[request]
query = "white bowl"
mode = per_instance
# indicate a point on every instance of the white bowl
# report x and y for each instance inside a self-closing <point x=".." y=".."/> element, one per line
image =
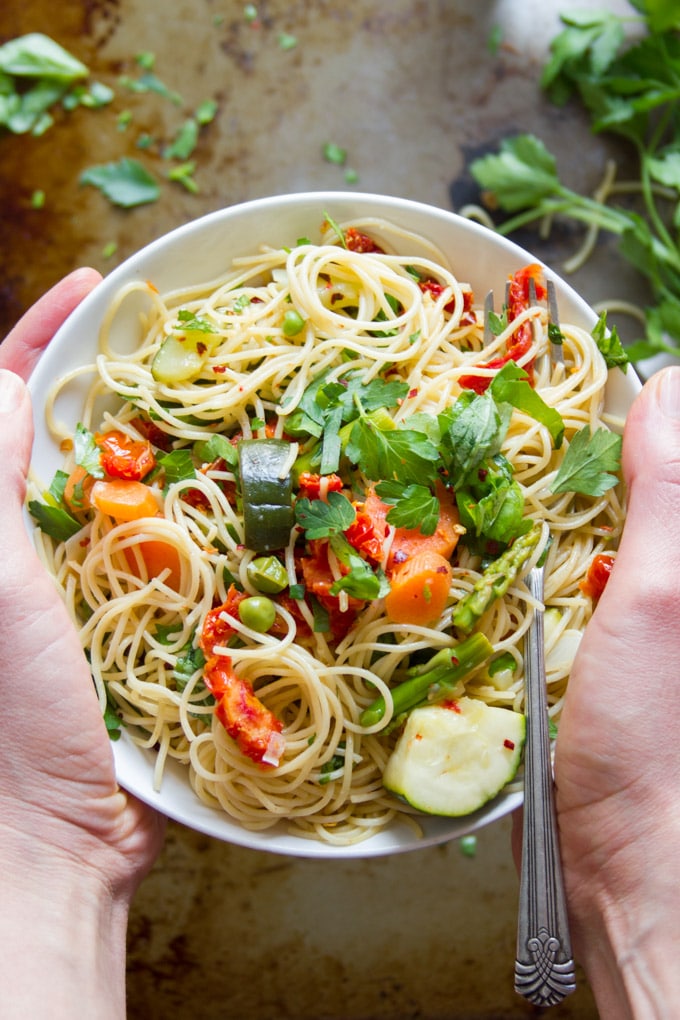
<point x="197" y="252"/>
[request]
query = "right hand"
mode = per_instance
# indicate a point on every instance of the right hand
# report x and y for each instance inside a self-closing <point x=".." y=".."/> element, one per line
<point x="617" y="762"/>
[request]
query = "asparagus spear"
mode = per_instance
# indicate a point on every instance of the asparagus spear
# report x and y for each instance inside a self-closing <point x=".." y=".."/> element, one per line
<point x="443" y="671"/>
<point x="495" y="581"/>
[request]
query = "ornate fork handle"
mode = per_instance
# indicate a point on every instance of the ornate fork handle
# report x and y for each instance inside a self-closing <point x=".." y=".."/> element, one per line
<point x="544" y="968"/>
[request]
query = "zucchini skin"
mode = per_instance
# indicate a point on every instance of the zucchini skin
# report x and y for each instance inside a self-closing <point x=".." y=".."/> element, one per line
<point x="268" y="516"/>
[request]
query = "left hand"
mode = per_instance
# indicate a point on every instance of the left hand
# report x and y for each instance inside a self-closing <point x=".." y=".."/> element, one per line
<point x="57" y="781"/>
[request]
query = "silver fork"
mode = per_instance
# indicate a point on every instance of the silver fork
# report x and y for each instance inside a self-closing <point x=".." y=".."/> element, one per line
<point x="544" y="966"/>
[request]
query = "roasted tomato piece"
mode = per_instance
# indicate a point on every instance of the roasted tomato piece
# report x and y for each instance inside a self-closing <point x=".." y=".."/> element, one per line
<point x="356" y="241"/>
<point x="216" y="630"/>
<point x="313" y="486"/>
<point x="597" y="576"/>
<point x="123" y="457"/>
<point x="255" y="729"/>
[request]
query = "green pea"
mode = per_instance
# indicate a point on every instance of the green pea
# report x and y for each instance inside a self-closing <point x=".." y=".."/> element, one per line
<point x="292" y="322"/>
<point x="267" y="574"/>
<point x="257" y="612"/>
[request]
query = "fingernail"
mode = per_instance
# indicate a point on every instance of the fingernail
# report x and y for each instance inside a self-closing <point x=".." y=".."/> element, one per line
<point x="11" y="391"/>
<point x="669" y="392"/>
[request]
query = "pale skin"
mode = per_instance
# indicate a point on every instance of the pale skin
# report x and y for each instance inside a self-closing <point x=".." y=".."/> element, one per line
<point x="74" y="848"/>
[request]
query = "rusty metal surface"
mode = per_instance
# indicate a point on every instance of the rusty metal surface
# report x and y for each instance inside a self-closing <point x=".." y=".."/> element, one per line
<point x="411" y="89"/>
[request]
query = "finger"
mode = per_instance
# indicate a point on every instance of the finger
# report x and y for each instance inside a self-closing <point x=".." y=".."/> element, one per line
<point x="16" y="430"/>
<point x="25" y="343"/>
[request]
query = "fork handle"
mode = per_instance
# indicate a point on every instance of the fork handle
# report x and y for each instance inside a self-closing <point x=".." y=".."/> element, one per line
<point x="544" y="968"/>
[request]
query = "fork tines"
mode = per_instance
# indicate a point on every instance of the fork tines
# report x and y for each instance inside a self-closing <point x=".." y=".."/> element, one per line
<point x="556" y="353"/>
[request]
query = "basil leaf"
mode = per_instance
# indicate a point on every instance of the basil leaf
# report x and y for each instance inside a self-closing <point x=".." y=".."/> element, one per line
<point x="510" y="385"/>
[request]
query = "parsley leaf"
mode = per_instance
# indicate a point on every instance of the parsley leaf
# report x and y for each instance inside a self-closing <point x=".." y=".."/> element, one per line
<point x="187" y="664"/>
<point x="190" y="322"/>
<point x="413" y="506"/>
<point x="589" y="463"/>
<point x="86" y="452"/>
<point x="54" y="521"/>
<point x="177" y="466"/>
<point x="217" y="447"/>
<point x="609" y="344"/>
<point x="630" y="85"/>
<point x="401" y="454"/>
<point x="125" y="183"/>
<point x="37" y="56"/>
<point x="522" y="173"/>
<point x="321" y="519"/>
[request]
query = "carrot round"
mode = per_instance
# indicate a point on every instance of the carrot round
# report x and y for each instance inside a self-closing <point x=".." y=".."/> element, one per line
<point x="159" y="556"/>
<point x="124" y="500"/>
<point x="419" y="589"/>
<point x="78" y="489"/>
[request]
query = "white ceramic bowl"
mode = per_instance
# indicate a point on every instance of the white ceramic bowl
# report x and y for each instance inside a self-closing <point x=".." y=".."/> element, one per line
<point x="198" y="252"/>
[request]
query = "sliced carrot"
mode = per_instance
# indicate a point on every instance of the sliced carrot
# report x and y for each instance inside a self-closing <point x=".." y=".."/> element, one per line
<point x="419" y="589"/>
<point x="156" y="556"/>
<point x="77" y="490"/>
<point x="125" y="500"/>
<point x="159" y="556"/>
<point x="409" y="542"/>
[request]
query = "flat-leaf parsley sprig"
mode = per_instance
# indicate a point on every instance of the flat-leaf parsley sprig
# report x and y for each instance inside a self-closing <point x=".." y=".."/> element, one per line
<point x="631" y="87"/>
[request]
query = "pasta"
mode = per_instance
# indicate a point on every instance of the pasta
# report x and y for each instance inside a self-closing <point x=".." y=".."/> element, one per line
<point x="293" y="348"/>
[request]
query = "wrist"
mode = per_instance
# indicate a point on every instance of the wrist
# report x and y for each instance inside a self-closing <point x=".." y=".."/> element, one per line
<point x="63" y="931"/>
<point x="626" y="932"/>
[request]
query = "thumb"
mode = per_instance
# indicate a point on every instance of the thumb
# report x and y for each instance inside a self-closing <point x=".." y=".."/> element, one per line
<point x="629" y="651"/>
<point x="649" y="553"/>
<point x="622" y="705"/>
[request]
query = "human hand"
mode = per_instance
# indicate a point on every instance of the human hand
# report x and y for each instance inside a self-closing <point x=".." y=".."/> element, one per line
<point x="70" y="841"/>
<point x="616" y="767"/>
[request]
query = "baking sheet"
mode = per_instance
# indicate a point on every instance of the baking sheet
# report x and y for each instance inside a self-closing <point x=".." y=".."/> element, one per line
<point x="412" y="90"/>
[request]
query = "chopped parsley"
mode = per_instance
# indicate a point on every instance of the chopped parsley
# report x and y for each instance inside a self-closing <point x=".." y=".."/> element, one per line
<point x="590" y="463"/>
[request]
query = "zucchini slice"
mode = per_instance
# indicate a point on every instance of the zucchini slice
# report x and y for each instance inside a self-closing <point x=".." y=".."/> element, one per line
<point x="267" y="493"/>
<point x="452" y="758"/>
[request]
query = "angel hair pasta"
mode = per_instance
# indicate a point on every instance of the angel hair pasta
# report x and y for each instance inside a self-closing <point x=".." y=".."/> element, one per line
<point x="300" y="511"/>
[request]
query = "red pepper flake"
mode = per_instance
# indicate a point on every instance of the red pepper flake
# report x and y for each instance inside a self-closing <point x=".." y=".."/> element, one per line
<point x="451" y="704"/>
<point x="413" y="392"/>
<point x="510" y="744"/>
<point x="219" y="369"/>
